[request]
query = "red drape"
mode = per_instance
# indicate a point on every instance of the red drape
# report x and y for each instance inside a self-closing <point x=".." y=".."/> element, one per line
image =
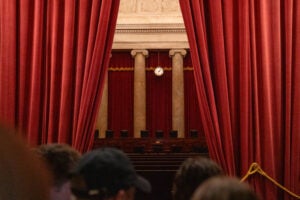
<point x="159" y="93"/>
<point x="120" y="93"/>
<point x="53" y="59"/>
<point x="159" y="99"/>
<point x="247" y="79"/>
<point x="191" y="105"/>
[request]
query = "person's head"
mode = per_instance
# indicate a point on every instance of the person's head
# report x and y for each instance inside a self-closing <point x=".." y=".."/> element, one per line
<point x="22" y="174"/>
<point x="191" y="173"/>
<point x="106" y="173"/>
<point x="60" y="159"/>
<point x="224" y="188"/>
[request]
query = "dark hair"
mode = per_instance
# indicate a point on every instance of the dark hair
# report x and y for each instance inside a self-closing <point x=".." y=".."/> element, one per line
<point x="22" y="174"/>
<point x="224" y="188"/>
<point x="103" y="172"/>
<point x="191" y="173"/>
<point x="60" y="159"/>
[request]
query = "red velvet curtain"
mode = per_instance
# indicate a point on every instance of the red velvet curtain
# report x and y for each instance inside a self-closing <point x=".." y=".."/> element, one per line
<point x="159" y="93"/>
<point x="247" y="76"/>
<point x="120" y="93"/>
<point x="53" y="60"/>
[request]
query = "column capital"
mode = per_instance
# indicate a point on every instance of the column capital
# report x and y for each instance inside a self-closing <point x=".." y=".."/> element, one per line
<point x="172" y="52"/>
<point x="144" y="52"/>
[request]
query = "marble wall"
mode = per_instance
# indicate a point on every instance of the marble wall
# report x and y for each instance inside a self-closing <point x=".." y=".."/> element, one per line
<point x="150" y="24"/>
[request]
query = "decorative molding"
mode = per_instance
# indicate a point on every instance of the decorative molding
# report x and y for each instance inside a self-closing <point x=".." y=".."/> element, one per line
<point x="153" y="68"/>
<point x="116" y="69"/>
<point x="151" y="31"/>
<point x="149" y="7"/>
<point x="182" y="52"/>
<point x="150" y="28"/>
<point x="159" y="44"/>
<point x="151" y="24"/>
<point x="120" y="69"/>
<point x="144" y="52"/>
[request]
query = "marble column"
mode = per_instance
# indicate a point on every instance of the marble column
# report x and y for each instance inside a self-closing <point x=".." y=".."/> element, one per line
<point x="101" y="124"/>
<point x="177" y="90"/>
<point x="139" y="102"/>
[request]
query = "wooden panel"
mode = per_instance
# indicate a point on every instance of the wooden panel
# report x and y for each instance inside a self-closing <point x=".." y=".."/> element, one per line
<point x="148" y="145"/>
<point x="157" y="159"/>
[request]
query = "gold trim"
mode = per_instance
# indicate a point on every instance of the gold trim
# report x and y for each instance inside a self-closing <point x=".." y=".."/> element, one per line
<point x="120" y="69"/>
<point x="188" y="68"/>
<point x="114" y="69"/>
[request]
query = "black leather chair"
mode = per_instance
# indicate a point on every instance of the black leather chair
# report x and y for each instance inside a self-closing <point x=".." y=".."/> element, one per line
<point x="144" y="133"/>
<point x="159" y="134"/>
<point x="193" y="133"/>
<point x="96" y="134"/>
<point x="173" y="134"/>
<point x="123" y="133"/>
<point x="109" y="134"/>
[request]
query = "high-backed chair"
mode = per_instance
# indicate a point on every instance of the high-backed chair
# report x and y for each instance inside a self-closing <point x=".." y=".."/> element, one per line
<point x="123" y="133"/>
<point x="96" y="134"/>
<point x="193" y="133"/>
<point x="144" y="133"/>
<point x="173" y="134"/>
<point x="159" y="134"/>
<point x="109" y="134"/>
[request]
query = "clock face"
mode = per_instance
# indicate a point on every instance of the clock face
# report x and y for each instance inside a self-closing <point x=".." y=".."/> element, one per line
<point x="158" y="71"/>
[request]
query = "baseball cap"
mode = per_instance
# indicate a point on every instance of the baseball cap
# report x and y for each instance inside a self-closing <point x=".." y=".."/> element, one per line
<point x="106" y="171"/>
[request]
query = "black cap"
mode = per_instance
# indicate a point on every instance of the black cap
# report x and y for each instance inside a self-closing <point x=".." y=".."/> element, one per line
<point x="107" y="170"/>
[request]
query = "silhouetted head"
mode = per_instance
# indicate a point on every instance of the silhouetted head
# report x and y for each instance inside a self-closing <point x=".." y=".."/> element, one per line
<point x="192" y="173"/>
<point x="22" y="174"/>
<point x="224" y="188"/>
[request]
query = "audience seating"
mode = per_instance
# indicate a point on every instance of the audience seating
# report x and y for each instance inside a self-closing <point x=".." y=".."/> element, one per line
<point x="159" y="169"/>
<point x="157" y="159"/>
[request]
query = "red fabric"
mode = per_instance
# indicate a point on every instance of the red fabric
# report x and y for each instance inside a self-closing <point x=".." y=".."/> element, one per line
<point x="247" y="80"/>
<point x="159" y="94"/>
<point x="120" y="93"/>
<point x="120" y="96"/>
<point x="54" y="57"/>
<point x="191" y="105"/>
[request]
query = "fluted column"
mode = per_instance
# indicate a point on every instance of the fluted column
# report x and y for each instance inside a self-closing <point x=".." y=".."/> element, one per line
<point x="139" y="102"/>
<point x="178" y="90"/>
<point x="101" y="124"/>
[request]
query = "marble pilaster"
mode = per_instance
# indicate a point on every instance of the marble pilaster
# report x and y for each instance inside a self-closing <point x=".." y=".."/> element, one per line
<point x="139" y="107"/>
<point x="178" y="90"/>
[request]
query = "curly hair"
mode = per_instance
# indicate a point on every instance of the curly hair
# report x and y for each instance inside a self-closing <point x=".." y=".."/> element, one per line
<point x="60" y="159"/>
<point x="193" y="172"/>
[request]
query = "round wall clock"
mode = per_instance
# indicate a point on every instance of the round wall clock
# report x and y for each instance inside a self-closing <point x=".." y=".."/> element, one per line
<point x="158" y="71"/>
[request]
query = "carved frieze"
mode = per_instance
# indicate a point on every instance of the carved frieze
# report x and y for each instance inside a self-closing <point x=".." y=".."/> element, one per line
<point x="149" y="7"/>
<point x="150" y="24"/>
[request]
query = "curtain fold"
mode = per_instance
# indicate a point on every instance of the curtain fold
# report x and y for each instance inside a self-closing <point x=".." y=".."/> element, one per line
<point x="246" y="72"/>
<point x="54" y="56"/>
